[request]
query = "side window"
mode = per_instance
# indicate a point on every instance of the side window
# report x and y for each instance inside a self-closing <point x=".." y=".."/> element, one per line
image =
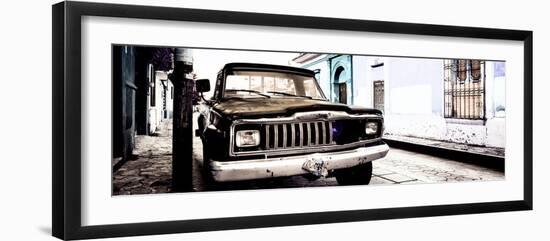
<point x="310" y="88"/>
<point x="218" y="83"/>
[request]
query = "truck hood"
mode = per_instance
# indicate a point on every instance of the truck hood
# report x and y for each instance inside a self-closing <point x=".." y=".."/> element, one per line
<point x="277" y="107"/>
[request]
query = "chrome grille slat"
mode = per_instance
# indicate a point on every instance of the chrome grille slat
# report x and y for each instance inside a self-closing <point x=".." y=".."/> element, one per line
<point x="276" y="135"/>
<point x="324" y="132"/>
<point x="308" y="126"/>
<point x="284" y="135"/>
<point x="317" y="134"/>
<point x="297" y="135"/>
<point x="301" y="134"/>
<point x="266" y="137"/>
<point x="293" y="134"/>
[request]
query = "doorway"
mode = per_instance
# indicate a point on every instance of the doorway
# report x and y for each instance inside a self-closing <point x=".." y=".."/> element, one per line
<point x="340" y="85"/>
<point x="342" y="93"/>
<point x="378" y="93"/>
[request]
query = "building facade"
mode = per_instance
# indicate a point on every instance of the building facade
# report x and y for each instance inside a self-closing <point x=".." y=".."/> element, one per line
<point x="161" y="99"/>
<point x="142" y="97"/>
<point x="455" y="100"/>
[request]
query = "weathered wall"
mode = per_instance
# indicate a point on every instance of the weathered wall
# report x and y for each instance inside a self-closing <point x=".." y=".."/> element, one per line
<point x="362" y="84"/>
<point x="414" y="99"/>
<point x="415" y="109"/>
<point x="496" y="132"/>
<point x="438" y="128"/>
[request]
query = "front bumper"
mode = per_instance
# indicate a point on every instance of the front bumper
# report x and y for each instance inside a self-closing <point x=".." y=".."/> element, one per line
<point x="293" y="165"/>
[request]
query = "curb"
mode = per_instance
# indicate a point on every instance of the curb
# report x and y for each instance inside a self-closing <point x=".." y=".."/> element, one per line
<point x="484" y="160"/>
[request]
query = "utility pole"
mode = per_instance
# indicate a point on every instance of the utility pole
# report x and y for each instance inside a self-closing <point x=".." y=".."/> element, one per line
<point x="182" y="139"/>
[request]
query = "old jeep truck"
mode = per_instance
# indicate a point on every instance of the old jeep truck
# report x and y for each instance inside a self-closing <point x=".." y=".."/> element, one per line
<point x="265" y="121"/>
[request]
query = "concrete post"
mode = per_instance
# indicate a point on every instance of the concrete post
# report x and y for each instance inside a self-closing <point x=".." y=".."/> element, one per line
<point x="182" y="142"/>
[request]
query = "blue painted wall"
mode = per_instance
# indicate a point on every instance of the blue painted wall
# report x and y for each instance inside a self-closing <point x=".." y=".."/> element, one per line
<point x="338" y="77"/>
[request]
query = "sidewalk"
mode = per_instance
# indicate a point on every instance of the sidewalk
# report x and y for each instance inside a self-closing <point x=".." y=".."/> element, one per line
<point x="492" y="157"/>
<point x="150" y="171"/>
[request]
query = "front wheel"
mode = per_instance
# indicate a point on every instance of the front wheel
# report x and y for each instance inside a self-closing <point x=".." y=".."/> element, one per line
<point x="358" y="175"/>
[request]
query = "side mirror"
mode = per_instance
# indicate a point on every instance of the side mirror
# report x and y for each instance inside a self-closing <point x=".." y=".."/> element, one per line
<point x="202" y="85"/>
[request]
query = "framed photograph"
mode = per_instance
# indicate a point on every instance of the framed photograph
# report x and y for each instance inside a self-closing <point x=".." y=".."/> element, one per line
<point x="171" y="120"/>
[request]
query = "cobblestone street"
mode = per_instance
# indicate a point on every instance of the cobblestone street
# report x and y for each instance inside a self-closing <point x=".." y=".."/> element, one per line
<point x="150" y="170"/>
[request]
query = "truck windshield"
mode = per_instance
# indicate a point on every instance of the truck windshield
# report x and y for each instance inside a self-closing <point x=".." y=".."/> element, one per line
<point x="254" y="84"/>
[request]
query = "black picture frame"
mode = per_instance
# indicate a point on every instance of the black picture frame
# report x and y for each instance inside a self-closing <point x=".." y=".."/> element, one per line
<point x="66" y="48"/>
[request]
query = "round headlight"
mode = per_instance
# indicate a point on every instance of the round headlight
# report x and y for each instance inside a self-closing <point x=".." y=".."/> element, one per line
<point x="247" y="138"/>
<point x="371" y="128"/>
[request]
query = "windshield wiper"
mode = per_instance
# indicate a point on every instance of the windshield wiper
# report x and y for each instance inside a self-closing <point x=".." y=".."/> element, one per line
<point x="250" y="91"/>
<point x="288" y="94"/>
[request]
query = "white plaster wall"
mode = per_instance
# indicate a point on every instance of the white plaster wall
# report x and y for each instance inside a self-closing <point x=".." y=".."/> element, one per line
<point x="416" y="125"/>
<point x="498" y="98"/>
<point x="414" y="105"/>
<point x="438" y="128"/>
<point x="496" y="134"/>
<point x="415" y="85"/>
<point x="494" y="97"/>
<point x="155" y="112"/>
<point x="489" y="90"/>
<point x="170" y="99"/>
<point x="154" y="119"/>
<point x="377" y="73"/>
<point x="411" y="99"/>
<point x="495" y="90"/>
<point x="362" y="85"/>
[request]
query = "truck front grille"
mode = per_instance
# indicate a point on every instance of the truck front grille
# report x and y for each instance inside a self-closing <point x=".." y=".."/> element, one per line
<point x="292" y="135"/>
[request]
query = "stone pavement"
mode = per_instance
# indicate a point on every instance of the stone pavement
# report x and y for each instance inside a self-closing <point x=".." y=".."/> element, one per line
<point x="150" y="171"/>
<point x="405" y="167"/>
<point x="483" y="150"/>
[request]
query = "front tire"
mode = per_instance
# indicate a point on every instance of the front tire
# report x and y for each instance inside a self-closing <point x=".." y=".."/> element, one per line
<point x="358" y="175"/>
